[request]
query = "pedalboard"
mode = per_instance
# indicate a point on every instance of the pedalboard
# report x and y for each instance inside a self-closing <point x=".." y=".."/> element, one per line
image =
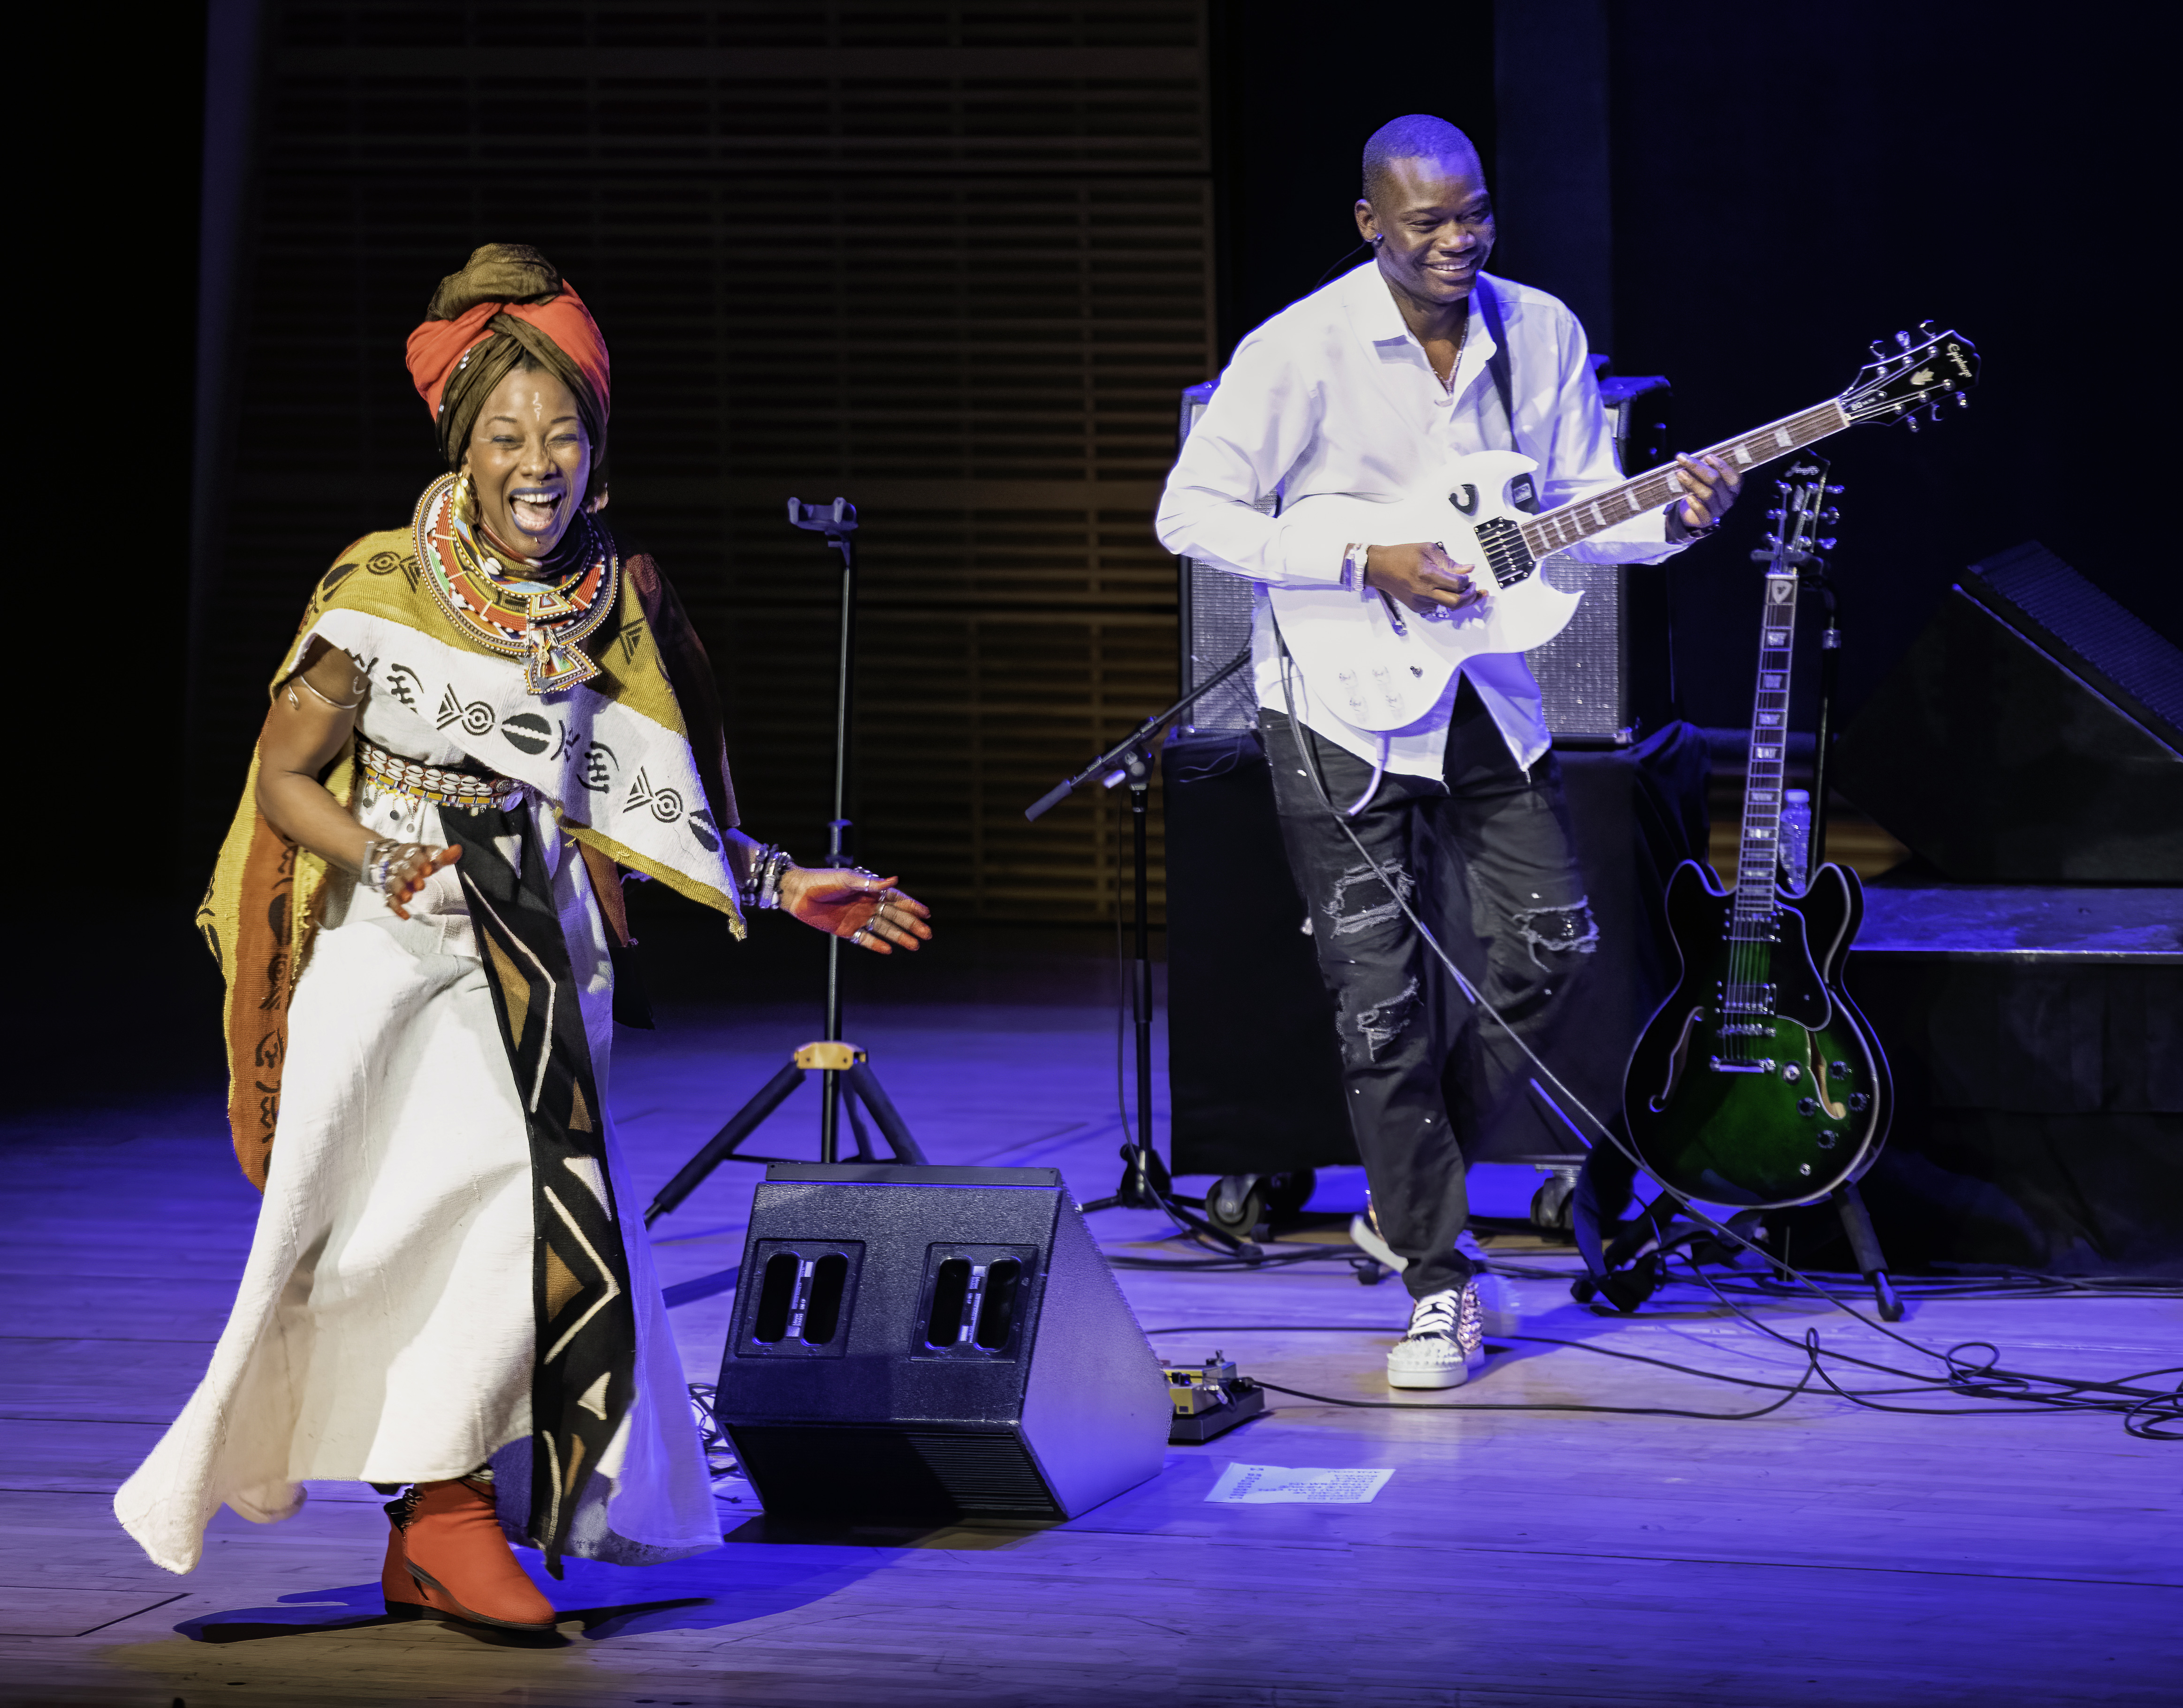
<point x="1210" y="1398"/>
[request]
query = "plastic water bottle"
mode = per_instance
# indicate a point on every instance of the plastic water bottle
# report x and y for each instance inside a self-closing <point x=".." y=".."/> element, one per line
<point x="1793" y="840"/>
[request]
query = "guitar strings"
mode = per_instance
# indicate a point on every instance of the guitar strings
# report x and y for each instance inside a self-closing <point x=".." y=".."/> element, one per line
<point x="2142" y="1414"/>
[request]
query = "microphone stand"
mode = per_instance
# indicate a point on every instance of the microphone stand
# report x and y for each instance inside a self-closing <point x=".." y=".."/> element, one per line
<point x="841" y="1066"/>
<point x="1145" y="1183"/>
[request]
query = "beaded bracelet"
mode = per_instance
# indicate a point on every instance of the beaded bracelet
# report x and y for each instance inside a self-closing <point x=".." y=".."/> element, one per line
<point x="381" y="857"/>
<point x="767" y="867"/>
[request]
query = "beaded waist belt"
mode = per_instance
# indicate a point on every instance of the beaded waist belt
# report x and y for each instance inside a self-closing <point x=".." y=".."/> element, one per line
<point x="441" y="784"/>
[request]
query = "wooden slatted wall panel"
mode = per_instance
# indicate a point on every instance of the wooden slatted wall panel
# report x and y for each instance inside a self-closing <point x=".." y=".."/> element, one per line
<point x="950" y="262"/>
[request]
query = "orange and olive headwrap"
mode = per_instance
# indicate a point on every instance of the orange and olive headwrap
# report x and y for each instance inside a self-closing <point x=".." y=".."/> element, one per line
<point x="508" y="308"/>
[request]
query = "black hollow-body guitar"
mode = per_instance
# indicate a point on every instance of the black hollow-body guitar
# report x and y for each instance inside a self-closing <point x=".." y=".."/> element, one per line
<point x="1757" y="1083"/>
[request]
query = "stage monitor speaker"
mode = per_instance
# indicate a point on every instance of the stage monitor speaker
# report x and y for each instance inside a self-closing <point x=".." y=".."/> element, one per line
<point x="920" y="1345"/>
<point x="1607" y="679"/>
<point x="2032" y="734"/>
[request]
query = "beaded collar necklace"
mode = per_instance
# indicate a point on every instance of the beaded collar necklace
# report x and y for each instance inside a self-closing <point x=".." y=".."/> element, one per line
<point x="541" y="622"/>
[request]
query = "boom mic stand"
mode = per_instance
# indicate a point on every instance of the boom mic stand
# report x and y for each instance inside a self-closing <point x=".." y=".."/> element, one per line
<point x="1145" y="1184"/>
<point x="841" y="1066"/>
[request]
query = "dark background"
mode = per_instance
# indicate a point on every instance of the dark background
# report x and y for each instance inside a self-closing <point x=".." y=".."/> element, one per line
<point x="968" y="294"/>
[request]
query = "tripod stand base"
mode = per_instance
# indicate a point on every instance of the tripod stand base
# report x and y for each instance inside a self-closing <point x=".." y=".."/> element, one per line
<point x="1145" y="1186"/>
<point x="827" y="1057"/>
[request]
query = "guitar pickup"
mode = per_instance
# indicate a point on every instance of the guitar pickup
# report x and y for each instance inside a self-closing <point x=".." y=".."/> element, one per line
<point x="1718" y="1065"/>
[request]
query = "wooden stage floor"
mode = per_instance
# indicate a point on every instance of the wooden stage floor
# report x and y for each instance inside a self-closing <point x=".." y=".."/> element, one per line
<point x="1824" y="1555"/>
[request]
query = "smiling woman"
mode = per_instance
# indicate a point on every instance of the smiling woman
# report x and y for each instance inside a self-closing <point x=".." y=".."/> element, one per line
<point x="485" y="719"/>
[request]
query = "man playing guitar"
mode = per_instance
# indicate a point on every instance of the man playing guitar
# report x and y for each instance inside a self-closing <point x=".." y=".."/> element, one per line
<point x="1367" y="388"/>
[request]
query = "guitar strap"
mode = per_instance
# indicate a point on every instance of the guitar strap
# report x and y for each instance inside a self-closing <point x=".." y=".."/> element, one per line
<point x="1522" y="490"/>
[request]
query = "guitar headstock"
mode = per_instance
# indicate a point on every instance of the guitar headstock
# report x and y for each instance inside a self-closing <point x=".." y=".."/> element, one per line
<point x="1923" y="372"/>
<point x="1801" y="510"/>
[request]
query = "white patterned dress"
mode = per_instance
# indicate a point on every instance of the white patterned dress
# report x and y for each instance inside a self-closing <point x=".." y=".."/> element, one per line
<point x="384" y="1329"/>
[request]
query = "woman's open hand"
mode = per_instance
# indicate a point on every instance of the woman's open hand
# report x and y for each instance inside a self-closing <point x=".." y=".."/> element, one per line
<point x="845" y="901"/>
<point x="408" y="866"/>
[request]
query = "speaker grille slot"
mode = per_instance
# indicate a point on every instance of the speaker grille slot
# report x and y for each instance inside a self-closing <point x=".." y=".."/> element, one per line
<point x="985" y="1473"/>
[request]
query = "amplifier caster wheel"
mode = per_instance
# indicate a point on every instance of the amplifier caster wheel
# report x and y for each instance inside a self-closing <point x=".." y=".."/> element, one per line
<point x="1238" y="1203"/>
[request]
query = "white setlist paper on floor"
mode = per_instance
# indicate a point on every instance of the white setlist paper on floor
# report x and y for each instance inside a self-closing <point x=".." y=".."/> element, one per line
<point x="1261" y="1485"/>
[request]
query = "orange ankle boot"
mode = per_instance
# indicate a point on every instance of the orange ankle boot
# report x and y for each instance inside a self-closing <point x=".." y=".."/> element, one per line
<point x="403" y="1599"/>
<point x="459" y="1564"/>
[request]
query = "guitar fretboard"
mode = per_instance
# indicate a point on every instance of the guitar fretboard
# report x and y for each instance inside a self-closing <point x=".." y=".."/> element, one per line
<point x="1634" y="498"/>
<point x="1765" y="773"/>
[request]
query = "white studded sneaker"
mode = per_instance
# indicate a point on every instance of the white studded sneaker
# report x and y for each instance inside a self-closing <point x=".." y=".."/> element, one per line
<point x="1499" y="1314"/>
<point x="1444" y="1342"/>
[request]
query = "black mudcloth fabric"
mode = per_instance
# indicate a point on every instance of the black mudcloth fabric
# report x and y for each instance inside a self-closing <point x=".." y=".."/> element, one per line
<point x="585" y="1375"/>
<point x="1486" y="852"/>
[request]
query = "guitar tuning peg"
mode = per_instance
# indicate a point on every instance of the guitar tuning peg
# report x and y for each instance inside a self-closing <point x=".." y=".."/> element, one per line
<point x="1961" y="401"/>
<point x="1936" y="412"/>
<point x="1831" y="513"/>
<point x="1827" y="544"/>
<point x="1914" y="424"/>
<point x="1926" y="329"/>
<point x="1878" y="347"/>
<point x="1901" y="341"/>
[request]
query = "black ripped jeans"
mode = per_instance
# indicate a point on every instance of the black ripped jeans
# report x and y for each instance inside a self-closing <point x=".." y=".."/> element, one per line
<point x="1486" y="851"/>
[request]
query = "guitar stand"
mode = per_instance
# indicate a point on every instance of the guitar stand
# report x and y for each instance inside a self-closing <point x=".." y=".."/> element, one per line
<point x="845" y="1067"/>
<point x="1871" y="1262"/>
<point x="1627" y="1261"/>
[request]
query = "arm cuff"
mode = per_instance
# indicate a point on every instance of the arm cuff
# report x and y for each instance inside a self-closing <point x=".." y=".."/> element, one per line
<point x="1311" y="557"/>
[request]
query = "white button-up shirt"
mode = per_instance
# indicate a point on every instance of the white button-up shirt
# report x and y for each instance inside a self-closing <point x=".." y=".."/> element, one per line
<point x="1335" y="394"/>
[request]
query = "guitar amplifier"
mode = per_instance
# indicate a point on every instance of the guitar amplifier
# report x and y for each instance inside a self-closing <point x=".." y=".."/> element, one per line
<point x="1608" y="679"/>
<point x="1214" y="608"/>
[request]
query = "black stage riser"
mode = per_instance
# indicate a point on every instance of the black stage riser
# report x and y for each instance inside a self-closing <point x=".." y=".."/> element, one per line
<point x="2029" y="735"/>
<point x="928" y="1345"/>
<point x="2039" y="1116"/>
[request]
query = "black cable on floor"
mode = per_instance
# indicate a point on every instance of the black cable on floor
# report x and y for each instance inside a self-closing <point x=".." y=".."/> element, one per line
<point x="1282" y="1260"/>
<point x="2143" y="1410"/>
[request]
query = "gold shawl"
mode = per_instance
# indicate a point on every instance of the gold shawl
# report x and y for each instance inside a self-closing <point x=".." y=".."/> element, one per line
<point x="268" y="894"/>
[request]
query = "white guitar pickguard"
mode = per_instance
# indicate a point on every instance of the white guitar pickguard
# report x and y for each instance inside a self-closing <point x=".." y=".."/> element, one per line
<point x="1384" y="672"/>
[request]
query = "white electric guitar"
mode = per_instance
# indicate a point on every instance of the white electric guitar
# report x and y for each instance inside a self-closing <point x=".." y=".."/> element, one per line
<point x="1383" y="668"/>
